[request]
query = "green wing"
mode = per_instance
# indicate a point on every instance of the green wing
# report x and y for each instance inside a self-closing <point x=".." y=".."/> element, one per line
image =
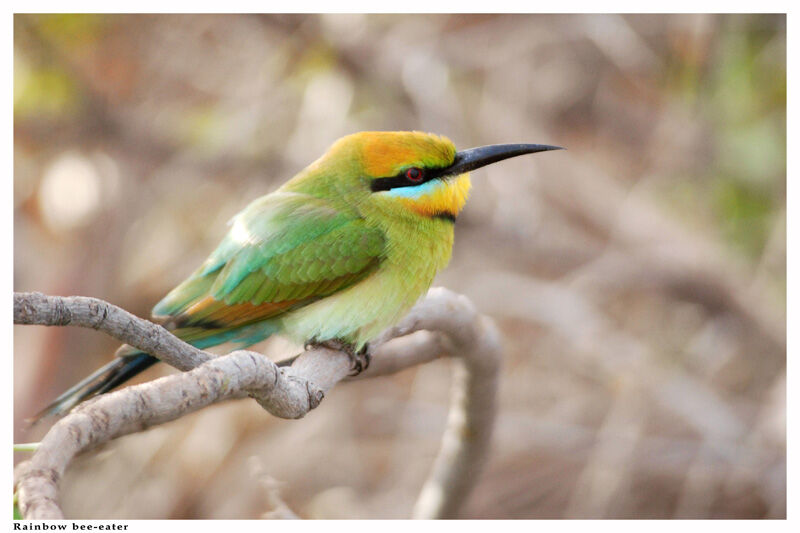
<point x="283" y="251"/>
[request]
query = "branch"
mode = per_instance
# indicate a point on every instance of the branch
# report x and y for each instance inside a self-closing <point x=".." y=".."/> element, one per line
<point x="38" y="308"/>
<point x="454" y="328"/>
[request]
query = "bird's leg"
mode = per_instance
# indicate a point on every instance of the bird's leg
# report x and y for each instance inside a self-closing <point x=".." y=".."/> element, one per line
<point x="359" y="360"/>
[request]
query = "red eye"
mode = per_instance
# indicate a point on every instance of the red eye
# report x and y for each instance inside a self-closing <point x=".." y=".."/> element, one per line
<point x="414" y="174"/>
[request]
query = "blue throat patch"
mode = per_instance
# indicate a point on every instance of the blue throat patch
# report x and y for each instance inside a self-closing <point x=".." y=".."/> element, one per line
<point x="416" y="191"/>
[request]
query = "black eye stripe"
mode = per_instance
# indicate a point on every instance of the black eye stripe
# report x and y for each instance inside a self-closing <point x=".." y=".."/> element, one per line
<point x="385" y="184"/>
<point x="444" y="215"/>
<point x="394" y="182"/>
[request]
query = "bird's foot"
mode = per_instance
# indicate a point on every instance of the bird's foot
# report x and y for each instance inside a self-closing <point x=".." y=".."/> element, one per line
<point x="359" y="360"/>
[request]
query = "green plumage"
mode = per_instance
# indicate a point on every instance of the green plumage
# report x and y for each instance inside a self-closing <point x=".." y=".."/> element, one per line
<point x="329" y="255"/>
<point x="285" y="247"/>
<point x="323" y="257"/>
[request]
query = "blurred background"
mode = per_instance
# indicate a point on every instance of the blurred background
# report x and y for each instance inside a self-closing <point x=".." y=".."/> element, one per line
<point x="639" y="278"/>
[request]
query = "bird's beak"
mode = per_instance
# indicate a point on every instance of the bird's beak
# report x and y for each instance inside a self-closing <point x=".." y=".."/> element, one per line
<point x="473" y="158"/>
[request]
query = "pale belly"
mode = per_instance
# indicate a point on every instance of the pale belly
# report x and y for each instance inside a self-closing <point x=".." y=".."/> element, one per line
<point x="359" y="313"/>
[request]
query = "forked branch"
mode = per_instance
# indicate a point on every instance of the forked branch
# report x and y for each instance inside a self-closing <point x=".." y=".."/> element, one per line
<point x="452" y="327"/>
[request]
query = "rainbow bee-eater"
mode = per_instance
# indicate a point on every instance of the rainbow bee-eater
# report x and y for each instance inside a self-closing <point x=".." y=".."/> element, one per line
<point x="335" y="255"/>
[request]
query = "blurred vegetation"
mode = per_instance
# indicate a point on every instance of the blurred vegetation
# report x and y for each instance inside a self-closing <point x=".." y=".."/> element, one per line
<point x="639" y="278"/>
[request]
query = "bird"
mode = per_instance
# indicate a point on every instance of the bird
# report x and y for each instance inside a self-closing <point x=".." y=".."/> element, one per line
<point x="335" y="255"/>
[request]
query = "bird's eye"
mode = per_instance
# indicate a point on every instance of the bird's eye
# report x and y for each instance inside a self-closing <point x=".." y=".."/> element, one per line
<point x="414" y="174"/>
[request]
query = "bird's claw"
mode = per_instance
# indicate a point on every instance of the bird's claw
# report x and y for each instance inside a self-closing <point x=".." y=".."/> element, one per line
<point x="359" y="360"/>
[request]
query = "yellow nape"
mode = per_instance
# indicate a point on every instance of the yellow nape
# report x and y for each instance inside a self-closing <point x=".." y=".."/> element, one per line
<point x="441" y="197"/>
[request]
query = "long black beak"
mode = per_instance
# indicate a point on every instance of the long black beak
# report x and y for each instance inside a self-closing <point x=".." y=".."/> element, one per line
<point x="473" y="158"/>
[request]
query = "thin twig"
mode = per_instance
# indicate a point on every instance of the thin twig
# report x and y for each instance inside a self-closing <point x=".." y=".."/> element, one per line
<point x="38" y="308"/>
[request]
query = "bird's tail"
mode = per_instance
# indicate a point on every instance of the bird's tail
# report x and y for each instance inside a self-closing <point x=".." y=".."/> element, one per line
<point x="131" y="362"/>
<point x="102" y="380"/>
